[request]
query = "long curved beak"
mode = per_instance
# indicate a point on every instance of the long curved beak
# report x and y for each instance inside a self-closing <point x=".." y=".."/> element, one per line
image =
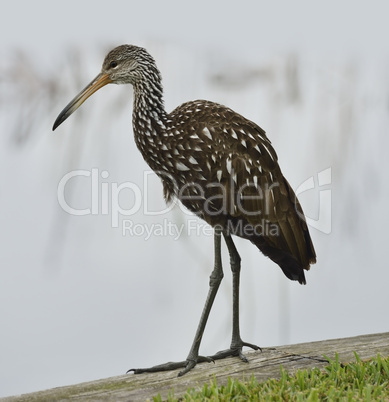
<point x="101" y="80"/>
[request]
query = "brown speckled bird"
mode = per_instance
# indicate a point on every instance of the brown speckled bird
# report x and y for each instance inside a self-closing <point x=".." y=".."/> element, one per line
<point x="223" y="168"/>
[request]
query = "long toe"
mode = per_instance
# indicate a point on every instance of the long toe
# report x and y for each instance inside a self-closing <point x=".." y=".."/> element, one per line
<point x="186" y="364"/>
<point x="189" y="366"/>
<point x="235" y="351"/>
<point x="161" y="367"/>
<point x="251" y="345"/>
<point x="222" y="354"/>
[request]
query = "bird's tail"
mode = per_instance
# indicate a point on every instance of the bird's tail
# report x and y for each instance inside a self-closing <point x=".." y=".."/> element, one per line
<point x="288" y="242"/>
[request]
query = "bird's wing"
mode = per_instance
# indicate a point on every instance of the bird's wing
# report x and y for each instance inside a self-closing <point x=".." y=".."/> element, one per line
<point x="234" y="161"/>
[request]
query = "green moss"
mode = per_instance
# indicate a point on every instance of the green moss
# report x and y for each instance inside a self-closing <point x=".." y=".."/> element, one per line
<point x="359" y="381"/>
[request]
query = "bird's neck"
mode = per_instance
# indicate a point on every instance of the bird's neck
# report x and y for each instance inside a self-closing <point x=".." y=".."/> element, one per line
<point x="149" y="115"/>
<point x="149" y="121"/>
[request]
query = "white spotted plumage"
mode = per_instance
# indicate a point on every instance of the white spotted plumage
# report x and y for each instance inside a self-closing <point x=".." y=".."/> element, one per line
<point x="204" y="143"/>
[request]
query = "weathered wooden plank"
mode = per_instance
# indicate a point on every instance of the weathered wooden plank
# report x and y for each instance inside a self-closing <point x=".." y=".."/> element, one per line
<point x="262" y="365"/>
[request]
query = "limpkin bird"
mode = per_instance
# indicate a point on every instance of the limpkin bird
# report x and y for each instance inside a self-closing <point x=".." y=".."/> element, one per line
<point x="220" y="166"/>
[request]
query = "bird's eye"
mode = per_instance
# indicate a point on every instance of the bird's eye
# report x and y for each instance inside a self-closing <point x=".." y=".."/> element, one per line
<point x="113" y="64"/>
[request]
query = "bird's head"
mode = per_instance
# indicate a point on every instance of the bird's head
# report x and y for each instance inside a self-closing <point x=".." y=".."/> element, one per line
<point x="126" y="64"/>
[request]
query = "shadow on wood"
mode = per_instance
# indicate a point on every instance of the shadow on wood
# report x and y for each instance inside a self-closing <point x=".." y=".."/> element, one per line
<point x="262" y="365"/>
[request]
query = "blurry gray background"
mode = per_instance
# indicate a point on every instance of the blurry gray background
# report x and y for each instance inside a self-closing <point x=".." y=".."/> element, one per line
<point x="78" y="300"/>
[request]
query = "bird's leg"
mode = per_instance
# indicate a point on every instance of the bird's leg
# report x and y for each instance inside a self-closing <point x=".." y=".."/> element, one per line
<point x="236" y="341"/>
<point x="214" y="283"/>
<point x="193" y="356"/>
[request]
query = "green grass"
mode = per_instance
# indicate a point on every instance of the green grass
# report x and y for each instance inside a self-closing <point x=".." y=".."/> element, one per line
<point x="359" y="381"/>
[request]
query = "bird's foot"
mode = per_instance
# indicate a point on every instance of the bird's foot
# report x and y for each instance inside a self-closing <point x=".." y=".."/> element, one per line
<point x="235" y="350"/>
<point x="187" y="365"/>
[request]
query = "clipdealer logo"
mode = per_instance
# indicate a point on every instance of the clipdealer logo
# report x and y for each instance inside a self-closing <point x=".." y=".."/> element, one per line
<point x="106" y="198"/>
